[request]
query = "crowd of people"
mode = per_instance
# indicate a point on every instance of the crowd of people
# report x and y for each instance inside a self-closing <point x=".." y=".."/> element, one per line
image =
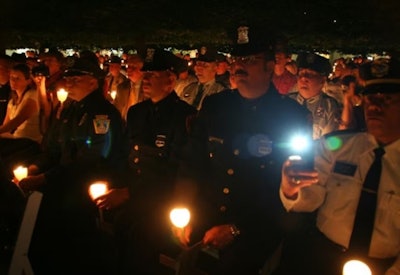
<point x="215" y="134"/>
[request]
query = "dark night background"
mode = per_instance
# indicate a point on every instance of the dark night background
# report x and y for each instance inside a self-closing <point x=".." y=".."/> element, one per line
<point x="355" y="26"/>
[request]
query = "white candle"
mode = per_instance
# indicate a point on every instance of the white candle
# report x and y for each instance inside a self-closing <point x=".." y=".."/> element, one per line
<point x="20" y="172"/>
<point x="98" y="189"/>
<point x="113" y="94"/>
<point x="62" y="95"/>
<point x="180" y="217"/>
<point x="355" y="267"/>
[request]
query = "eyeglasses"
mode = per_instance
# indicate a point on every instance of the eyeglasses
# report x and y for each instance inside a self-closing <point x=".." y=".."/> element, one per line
<point x="247" y="60"/>
<point x="382" y="99"/>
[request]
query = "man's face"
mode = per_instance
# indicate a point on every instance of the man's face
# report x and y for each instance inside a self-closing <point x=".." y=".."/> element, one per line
<point x="133" y="70"/>
<point x="157" y="85"/>
<point x="79" y="87"/>
<point x="252" y="74"/>
<point x="205" y="71"/>
<point x="382" y="116"/>
<point x="309" y="82"/>
<point x="114" y="69"/>
<point x="52" y="63"/>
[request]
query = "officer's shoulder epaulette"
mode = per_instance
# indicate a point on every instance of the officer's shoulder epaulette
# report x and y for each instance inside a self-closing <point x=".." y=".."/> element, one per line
<point x="342" y="132"/>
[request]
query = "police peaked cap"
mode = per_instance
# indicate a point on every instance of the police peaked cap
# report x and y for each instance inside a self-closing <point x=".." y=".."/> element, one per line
<point x="251" y="40"/>
<point x="211" y="55"/>
<point x="85" y="66"/>
<point x="315" y="62"/>
<point x="381" y="76"/>
<point x="161" y="60"/>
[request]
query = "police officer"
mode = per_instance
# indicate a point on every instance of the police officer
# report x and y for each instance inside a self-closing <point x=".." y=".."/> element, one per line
<point x="205" y="69"/>
<point x="356" y="193"/>
<point x="240" y="139"/>
<point x="313" y="71"/>
<point x="84" y="145"/>
<point x="157" y="134"/>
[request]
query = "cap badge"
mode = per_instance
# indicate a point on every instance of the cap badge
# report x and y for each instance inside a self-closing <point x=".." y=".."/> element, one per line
<point x="149" y="55"/>
<point x="243" y="35"/>
<point x="380" y="67"/>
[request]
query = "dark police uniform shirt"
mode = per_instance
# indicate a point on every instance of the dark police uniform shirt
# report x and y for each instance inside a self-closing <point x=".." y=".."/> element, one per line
<point x="157" y="133"/>
<point x="85" y="144"/>
<point x="247" y="143"/>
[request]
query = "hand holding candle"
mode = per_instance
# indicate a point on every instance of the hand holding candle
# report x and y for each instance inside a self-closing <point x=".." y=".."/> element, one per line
<point x="20" y="172"/>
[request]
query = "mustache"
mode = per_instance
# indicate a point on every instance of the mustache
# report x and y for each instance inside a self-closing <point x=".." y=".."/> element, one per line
<point x="241" y="72"/>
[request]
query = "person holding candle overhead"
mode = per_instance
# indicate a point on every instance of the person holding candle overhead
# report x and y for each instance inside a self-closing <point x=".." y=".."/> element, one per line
<point x="356" y="191"/>
<point x="85" y="144"/>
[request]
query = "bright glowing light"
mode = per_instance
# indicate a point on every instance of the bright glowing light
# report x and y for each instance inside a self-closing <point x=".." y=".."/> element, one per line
<point x="180" y="217"/>
<point x="20" y="172"/>
<point x="98" y="189"/>
<point x="113" y="94"/>
<point x="355" y="267"/>
<point x="299" y="143"/>
<point x="62" y="95"/>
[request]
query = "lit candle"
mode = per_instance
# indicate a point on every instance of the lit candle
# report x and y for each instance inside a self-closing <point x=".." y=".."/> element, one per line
<point x="113" y="94"/>
<point x="62" y="95"/>
<point x="98" y="189"/>
<point x="20" y="172"/>
<point x="180" y="217"/>
<point x="355" y="267"/>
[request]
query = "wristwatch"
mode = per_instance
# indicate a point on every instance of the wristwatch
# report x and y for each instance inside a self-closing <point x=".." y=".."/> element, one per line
<point x="234" y="230"/>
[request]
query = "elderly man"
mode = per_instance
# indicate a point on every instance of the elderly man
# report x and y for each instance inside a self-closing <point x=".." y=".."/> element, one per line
<point x="355" y="193"/>
<point x="240" y="139"/>
<point x="84" y="145"/>
<point x="205" y="69"/>
<point x="130" y="92"/>
<point x="313" y="71"/>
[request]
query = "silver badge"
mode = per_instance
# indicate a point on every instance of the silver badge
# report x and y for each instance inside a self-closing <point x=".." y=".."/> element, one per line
<point x="101" y="124"/>
<point x="160" y="141"/>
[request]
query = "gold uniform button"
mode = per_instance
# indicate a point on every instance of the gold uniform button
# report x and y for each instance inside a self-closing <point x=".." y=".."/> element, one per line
<point x="236" y="152"/>
<point x="136" y="147"/>
<point x="226" y="190"/>
<point x="211" y="155"/>
<point x="230" y="171"/>
<point x="136" y="160"/>
<point x="222" y="208"/>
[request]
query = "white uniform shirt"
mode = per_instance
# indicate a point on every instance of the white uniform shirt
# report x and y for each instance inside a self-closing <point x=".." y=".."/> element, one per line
<point x="337" y="194"/>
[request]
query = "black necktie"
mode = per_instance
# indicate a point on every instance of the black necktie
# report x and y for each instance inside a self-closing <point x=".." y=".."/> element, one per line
<point x="365" y="216"/>
<point x="199" y="95"/>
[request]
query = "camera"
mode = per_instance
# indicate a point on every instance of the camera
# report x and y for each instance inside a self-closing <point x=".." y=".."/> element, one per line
<point x="41" y="70"/>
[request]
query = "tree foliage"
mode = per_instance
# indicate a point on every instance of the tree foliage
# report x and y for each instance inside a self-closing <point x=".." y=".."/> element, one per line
<point x="356" y="26"/>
